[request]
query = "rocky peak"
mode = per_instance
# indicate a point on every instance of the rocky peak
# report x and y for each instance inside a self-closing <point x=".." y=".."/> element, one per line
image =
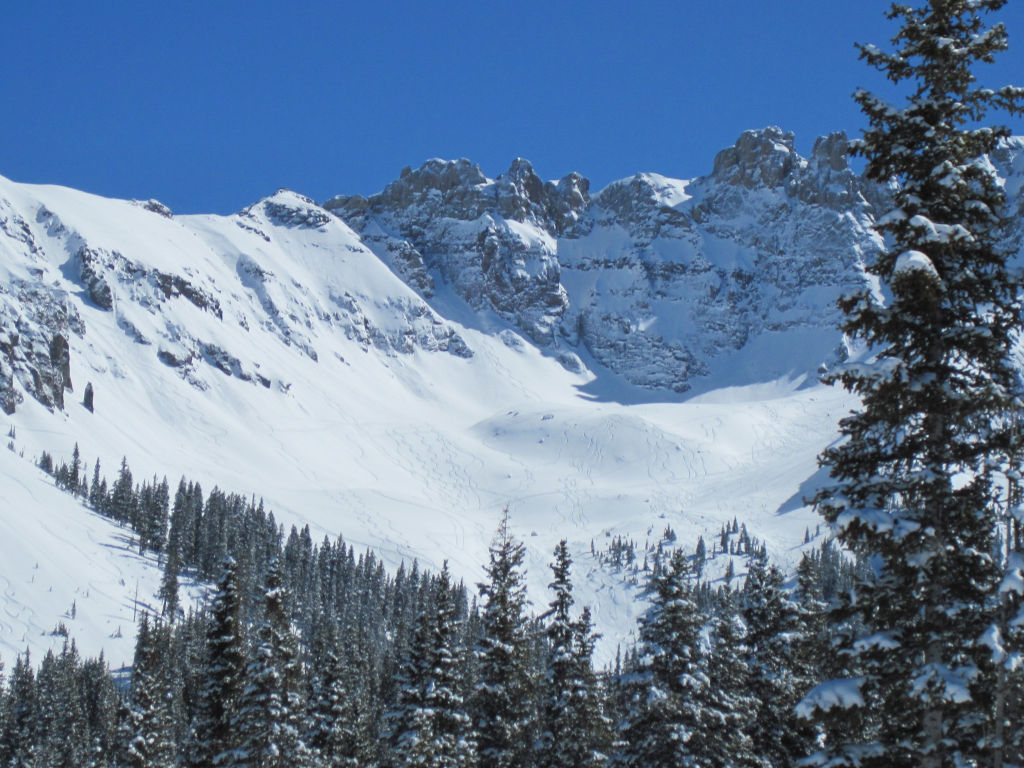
<point x="455" y="187"/>
<point x="827" y="178"/>
<point x="568" y="198"/>
<point x="632" y="198"/>
<point x="758" y="158"/>
<point x="291" y="209"/>
<point x="520" y="192"/>
<point x="830" y="152"/>
<point x="557" y="206"/>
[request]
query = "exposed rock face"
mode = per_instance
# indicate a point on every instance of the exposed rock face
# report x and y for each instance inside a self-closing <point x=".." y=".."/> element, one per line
<point x="297" y="212"/>
<point x="35" y="325"/>
<point x="671" y="285"/>
<point x="662" y="281"/>
<point x="757" y="159"/>
<point x="492" y="241"/>
<point x="155" y="206"/>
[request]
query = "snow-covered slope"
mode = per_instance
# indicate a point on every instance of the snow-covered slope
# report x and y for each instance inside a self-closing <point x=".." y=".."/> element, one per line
<point x="67" y="572"/>
<point x="401" y="368"/>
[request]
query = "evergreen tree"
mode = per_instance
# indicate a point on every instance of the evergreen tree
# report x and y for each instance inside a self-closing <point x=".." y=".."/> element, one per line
<point x="95" y="501"/>
<point x="76" y="469"/>
<point x="430" y="727"/>
<point x="777" y="676"/>
<point x="700" y="557"/>
<point x="271" y="713"/>
<point x="727" y="705"/>
<point x="334" y="704"/>
<point x="914" y="481"/>
<point x="62" y="732"/>
<point x="663" y="713"/>
<point x="573" y="728"/>
<point x="147" y="727"/>
<point x="20" y="724"/>
<point x="100" y="698"/>
<point x="213" y="739"/>
<point x="122" y="498"/>
<point x="504" y="698"/>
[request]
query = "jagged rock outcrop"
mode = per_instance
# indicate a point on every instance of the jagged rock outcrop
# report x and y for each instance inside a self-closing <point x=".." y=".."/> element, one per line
<point x="663" y="282"/>
<point x="666" y="284"/>
<point x="491" y="240"/>
<point x="36" y="323"/>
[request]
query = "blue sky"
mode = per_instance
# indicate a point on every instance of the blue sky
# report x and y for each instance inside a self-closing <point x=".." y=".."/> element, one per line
<point x="209" y="106"/>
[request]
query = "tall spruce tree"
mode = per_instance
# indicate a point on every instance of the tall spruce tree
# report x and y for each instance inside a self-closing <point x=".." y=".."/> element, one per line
<point x="573" y="729"/>
<point x="663" y="717"/>
<point x="915" y="483"/>
<point x="147" y="726"/>
<point x="505" y="694"/>
<point x="213" y="739"/>
<point x="20" y="717"/>
<point x="776" y="645"/>
<point x="271" y="711"/>
<point x="430" y="727"/>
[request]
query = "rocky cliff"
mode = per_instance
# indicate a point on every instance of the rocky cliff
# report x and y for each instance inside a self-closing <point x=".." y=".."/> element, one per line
<point x="656" y="283"/>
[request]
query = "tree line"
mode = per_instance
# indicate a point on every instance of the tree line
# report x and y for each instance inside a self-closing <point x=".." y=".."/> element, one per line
<point x="310" y="654"/>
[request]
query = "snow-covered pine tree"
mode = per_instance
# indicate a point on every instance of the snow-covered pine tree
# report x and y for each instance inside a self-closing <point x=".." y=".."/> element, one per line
<point x="408" y="725"/>
<point x="662" y="711"/>
<point x="95" y="500"/>
<point x="100" y="697"/>
<point x="333" y="709"/>
<point x="76" y="469"/>
<point x="914" y="484"/>
<point x="168" y="593"/>
<point x="503" y="706"/>
<point x="727" y="705"/>
<point x="20" y="717"/>
<point x="572" y="732"/>
<point x="430" y="725"/>
<point x="147" y="726"/>
<point x="62" y="731"/>
<point x="271" y="710"/>
<point x="122" y="497"/>
<point x="213" y="739"/>
<point x="777" y="676"/>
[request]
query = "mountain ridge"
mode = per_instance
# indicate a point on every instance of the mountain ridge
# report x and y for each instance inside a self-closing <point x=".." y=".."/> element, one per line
<point x="602" y="364"/>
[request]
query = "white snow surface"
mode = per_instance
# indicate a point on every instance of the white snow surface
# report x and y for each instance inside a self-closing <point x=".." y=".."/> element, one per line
<point x="64" y="565"/>
<point x="367" y="425"/>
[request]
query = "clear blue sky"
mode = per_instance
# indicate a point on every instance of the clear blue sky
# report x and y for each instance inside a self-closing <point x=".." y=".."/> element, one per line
<point x="211" y="105"/>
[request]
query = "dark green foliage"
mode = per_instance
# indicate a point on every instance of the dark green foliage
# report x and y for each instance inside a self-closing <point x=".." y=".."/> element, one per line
<point x="661" y="709"/>
<point x="18" y="744"/>
<point x="147" y="738"/>
<point x="915" y="481"/>
<point x="60" y="715"/>
<point x="574" y="732"/>
<point x="503" y="705"/>
<point x="272" y="706"/>
<point x="430" y="726"/>
<point x="214" y="739"/>
<point x="122" y="499"/>
<point x="779" y="659"/>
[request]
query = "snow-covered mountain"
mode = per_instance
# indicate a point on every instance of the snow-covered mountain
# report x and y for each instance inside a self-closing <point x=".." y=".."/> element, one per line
<point x="672" y="285"/>
<point x="401" y="367"/>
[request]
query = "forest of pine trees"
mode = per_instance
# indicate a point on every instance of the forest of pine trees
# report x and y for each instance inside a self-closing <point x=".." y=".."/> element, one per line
<point x="899" y="644"/>
<point x="312" y="655"/>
